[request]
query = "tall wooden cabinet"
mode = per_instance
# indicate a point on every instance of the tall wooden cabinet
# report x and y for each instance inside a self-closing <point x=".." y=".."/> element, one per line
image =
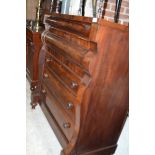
<point x="83" y="73"/>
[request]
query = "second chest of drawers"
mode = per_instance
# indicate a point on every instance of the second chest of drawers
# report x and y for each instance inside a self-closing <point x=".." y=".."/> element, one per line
<point x="33" y="46"/>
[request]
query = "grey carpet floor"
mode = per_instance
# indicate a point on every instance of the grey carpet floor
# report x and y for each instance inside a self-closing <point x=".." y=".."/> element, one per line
<point x="40" y="139"/>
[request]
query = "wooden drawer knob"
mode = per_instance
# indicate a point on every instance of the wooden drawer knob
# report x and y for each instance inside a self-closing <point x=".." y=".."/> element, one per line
<point x="31" y="43"/>
<point x="69" y="105"/>
<point x="48" y="59"/>
<point x="66" y="125"/>
<point x="33" y="88"/>
<point x="43" y="91"/>
<point x="45" y="75"/>
<point x="74" y="85"/>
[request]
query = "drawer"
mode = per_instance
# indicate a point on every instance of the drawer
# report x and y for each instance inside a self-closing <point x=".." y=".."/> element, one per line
<point x="67" y="61"/>
<point x="63" y="121"/>
<point x="65" y="98"/>
<point x="66" y="76"/>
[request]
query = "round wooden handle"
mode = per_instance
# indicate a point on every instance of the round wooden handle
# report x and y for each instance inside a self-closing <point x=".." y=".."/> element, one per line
<point x="74" y="85"/>
<point x="32" y="88"/>
<point x="31" y="43"/>
<point x="43" y="91"/>
<point x="66" y="125"/>
<point x="70" y="105"/>
<point x="48" y="59"/>
<point x="45" y="75"/>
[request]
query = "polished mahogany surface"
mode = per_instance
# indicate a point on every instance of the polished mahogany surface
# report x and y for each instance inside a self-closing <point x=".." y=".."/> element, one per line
<point x="83" y="73"/>
<point x="33" y="46"/>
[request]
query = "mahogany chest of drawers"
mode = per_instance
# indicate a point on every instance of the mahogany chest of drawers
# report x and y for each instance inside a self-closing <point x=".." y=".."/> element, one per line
<point x="33" y="45"/>
<point x="83" y="73"/>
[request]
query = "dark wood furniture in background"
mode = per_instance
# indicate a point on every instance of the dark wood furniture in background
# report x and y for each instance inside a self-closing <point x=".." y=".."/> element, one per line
<point x="51" y="6"/>
<point x="46" y="5"/>
<point x="83" y="72"/>
<point x="33" y="45"/>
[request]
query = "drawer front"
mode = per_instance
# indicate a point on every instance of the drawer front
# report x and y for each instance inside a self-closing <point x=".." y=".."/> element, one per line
<point x="67" y="61"/>
<point x="66" y="76"/>
<point x="64" y="122"/>
<point x="65" y="98"/>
